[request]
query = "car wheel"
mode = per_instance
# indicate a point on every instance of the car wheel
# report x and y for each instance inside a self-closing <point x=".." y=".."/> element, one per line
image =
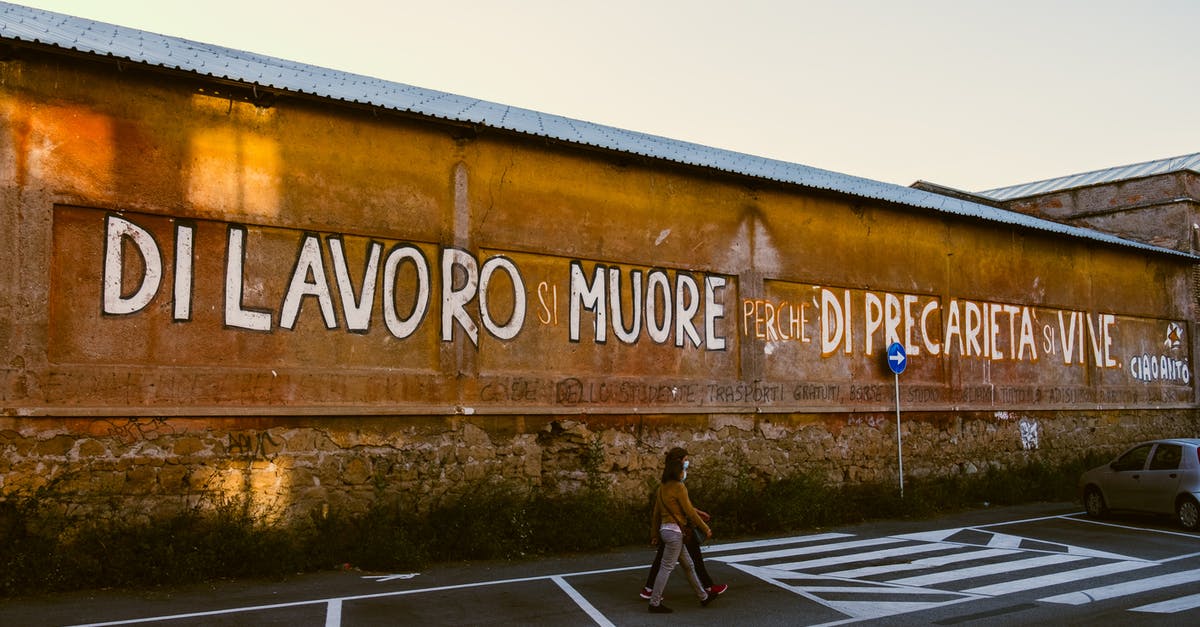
<point x="1188" y="512"/>
<point x="1093" y="502"/>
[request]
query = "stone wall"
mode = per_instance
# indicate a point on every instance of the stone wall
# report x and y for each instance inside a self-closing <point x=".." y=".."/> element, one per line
<point x="291" y="467"/>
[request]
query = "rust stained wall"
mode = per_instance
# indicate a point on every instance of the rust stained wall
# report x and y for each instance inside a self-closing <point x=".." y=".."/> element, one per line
<point x="1160" y="210"/>
<point x="788" y="296"/>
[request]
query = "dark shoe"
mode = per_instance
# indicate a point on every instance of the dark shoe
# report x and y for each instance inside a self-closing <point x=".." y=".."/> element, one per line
<point x="660" y="609"/>
<point x="708" y="599"/>
<point x="645" y="593"/>
<point x="717" y="590"/>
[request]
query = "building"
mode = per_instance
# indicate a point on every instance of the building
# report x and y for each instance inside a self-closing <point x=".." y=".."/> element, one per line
<point x="224" y="273"/>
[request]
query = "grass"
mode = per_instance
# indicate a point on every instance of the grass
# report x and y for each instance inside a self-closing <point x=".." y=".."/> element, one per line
<point x="43" y="549"/>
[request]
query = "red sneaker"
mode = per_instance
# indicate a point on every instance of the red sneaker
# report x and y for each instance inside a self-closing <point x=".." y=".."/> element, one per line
<point x="646" y="593"/>
<point x="717" y="590"/>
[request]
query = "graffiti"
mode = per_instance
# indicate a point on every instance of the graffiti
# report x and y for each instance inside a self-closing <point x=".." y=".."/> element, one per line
<point x="131" y="429"/>
<point x="846" y="322"/>
<point x="1149" y="368"/>
<point x="253" y="445"/>
<point x="809" y="392"/>
<point x="577" y="392"/>
<point x="1028" y="428"/>
<point x="548" y="314"/>
<point x="796" y="344"/>
<point x="745" y="393"/>
<point x="309" y="281"/>
<point x="516" y="389"/>
<point x="663" y="300"/>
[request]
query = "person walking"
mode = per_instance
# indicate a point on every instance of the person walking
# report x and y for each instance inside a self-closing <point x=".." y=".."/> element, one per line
<point x="689" y="543"/>
<point x="672" y="510"/>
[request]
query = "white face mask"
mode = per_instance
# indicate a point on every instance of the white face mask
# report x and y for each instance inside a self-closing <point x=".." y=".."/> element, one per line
<point x="686" y="463"/>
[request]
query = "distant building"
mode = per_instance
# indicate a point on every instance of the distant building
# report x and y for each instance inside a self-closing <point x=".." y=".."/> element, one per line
<point x="1157" y="202"/>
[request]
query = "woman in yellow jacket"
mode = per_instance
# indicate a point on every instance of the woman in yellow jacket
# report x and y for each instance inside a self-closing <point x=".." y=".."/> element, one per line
<point x="672" y="511"/>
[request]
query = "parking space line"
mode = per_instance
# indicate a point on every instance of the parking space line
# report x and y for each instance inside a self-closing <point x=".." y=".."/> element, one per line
<point x="333" y="614"/>
<point x="582" y="602"/>
<point x="359" y="597"/>
<point x="1190" y="536"/>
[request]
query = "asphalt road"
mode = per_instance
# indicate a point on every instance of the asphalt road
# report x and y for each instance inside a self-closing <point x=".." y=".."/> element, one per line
<point x="1028" y="565"/>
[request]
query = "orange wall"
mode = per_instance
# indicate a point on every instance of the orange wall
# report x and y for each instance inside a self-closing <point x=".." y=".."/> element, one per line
<point x="109" y="175"/>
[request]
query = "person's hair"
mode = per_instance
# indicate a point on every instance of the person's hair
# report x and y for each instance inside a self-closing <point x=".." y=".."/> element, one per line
<point x="677" y="453"/>
<point x="673" y="470"/>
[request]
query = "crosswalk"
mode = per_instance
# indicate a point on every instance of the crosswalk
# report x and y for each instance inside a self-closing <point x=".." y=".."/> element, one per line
<point x="876" y="577"/>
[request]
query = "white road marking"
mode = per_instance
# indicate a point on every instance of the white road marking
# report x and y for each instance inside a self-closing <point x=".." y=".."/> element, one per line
<point x="1125" y="588"/>
<point x="863" y="557"/>
<point x="1054" y="579"/>
<point x="857" y="609"/>
<point x="386" y="578"/>
<point x="333" y="614"/>
<point x="1190" y="536"/>
<point x="928" y="562"/>
<point x="987" y="569"/>
<point x="758" y="544"/>
<point x="583" y="604"/>
<point x="804" y="550"/>
<point x="1172" y="606"/>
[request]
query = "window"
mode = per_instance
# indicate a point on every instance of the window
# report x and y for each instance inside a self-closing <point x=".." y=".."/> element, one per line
<point x="1135" y="459"/>
<point x="1166" y="457"/>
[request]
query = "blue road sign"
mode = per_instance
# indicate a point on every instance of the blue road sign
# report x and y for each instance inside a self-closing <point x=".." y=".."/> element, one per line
<point x="896" y="358"/>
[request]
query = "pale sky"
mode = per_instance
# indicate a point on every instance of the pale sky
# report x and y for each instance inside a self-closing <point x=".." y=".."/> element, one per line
<point x="964" y="93"/>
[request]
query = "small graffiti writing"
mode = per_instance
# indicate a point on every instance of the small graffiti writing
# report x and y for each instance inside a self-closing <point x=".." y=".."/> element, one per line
<point x="253" y="445"/>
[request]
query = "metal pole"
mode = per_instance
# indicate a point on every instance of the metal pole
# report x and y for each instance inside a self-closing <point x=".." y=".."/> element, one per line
<point x="899" y="446"/>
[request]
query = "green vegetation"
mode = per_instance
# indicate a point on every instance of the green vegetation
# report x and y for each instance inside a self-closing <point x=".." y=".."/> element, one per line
<point x="43" y="548"/>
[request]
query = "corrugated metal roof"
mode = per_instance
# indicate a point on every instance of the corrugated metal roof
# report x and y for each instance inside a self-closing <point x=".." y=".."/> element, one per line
<point x="72" y="33"/>
<point x="1097" y="177"/>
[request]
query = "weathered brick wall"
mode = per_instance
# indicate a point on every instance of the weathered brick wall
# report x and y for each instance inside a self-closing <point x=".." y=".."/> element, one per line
<point x="297" y="467"/>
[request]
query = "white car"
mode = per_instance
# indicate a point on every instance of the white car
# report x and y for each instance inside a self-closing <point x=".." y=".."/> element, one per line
<point x="1160" y="477"/>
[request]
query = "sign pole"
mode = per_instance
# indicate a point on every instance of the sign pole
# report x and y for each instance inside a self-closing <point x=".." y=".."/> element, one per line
<point x="897" y="359"/>
<point x="899" y="446"/>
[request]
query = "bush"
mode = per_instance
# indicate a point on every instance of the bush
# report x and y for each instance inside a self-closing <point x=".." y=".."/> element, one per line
<point x="43" y="550"/>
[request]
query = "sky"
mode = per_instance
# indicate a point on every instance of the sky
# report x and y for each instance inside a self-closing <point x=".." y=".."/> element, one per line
<point x="964" y="93"/>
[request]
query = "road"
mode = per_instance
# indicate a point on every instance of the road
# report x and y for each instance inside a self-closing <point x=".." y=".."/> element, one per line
<point x="1028" y="565"/>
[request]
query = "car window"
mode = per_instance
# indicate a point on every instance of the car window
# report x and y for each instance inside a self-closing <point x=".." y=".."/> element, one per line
<point x="1134" y="459"/>
<point x="1166" y="457"/>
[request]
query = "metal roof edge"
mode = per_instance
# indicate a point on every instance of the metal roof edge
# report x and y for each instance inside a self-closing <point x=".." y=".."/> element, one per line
<point x="1169" y="165"/>
<point x="36" y="26"/>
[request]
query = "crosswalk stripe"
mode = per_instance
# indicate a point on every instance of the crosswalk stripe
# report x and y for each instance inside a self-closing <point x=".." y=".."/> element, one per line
<point x="987" y="569"/>
<point x="928" y="562"/>
<point x="757" y="544"/>
<point x="1054" y="579"/>
<point x="1125" y="588"/>
<point x="1181" y="604"/>
<point x="863" y="557"/>
<point x="805" y="550"/>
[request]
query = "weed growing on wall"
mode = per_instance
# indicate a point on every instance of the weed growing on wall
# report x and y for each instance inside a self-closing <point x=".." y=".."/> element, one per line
<point x="43" y="548"/>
